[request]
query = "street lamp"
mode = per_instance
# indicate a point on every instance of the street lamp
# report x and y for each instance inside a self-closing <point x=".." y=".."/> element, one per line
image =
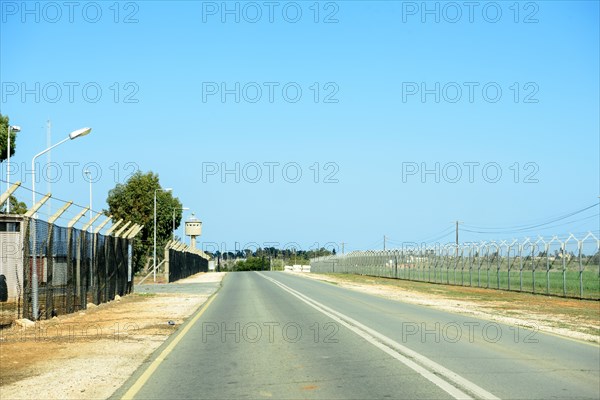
<point x="89" y="176"/>
<point x="154" y="258"/>
<point x="73" y="135"/>
<point x="175" y="209"/>
<point x="34" y="279"/>
<point x="15" y="129"/>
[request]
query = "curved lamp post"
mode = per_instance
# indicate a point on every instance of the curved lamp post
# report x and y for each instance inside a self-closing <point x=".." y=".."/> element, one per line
<point x="34" y="278"/>
<point x="73" y="135"/>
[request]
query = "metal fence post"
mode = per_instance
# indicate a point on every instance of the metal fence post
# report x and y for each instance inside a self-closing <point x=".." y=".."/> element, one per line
<point x="580" y="248"/>
<point x="498" y="267"/>
<point x="166" y="260"/>
<point x="27" y="261"/>
<point x="564" y="265"/>
<point x="547" y="268"/>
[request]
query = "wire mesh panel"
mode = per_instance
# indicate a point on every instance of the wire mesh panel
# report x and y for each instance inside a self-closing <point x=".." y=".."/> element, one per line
<point x="100" y="269"/>
<point x="184" y="264"/>
<point x="63" y="269"/>
<point x="35" y="265"/>
<point x="110" y="266"/>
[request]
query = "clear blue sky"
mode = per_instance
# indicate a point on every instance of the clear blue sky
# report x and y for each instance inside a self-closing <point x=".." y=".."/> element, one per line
<point x="371" y="131"/>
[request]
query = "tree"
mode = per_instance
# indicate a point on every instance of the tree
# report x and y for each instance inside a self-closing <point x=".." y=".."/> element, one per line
<point x="16" y="206"/>
<point x="134" y="201"/>
<point x="4" y="136"/>
<point x="253" y="264"/>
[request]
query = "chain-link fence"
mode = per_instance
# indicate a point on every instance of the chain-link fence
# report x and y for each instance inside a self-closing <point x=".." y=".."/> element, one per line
<point x="568" y="267"/>
<point x="50" y="270"/>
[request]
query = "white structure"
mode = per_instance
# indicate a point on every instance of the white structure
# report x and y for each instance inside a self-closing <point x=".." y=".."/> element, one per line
<point x="297" y="268"/>
<point x="11" y="257"/>
<point x="193" y="228"/>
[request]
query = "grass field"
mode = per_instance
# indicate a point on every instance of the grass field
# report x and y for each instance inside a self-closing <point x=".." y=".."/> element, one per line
<point x="545" y="282"/>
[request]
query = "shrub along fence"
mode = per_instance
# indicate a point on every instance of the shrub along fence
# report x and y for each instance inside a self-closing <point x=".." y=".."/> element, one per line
<point x="564" y="267"/>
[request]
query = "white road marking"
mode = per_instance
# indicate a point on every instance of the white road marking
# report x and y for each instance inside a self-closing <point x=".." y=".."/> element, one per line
<point x="429" y="369"/>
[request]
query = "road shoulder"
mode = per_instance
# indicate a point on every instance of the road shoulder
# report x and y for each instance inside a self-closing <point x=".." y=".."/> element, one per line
<point x="571" y="318"/>
<point x="89" y="355"/>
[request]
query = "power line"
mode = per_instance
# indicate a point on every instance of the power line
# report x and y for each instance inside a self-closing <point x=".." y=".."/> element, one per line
<point x="519" y="228"/>
<point x="375" y="244"/>
<point x="525" y="230"/>
<point x="437" y="239"/>
<point x="443" y="233"/>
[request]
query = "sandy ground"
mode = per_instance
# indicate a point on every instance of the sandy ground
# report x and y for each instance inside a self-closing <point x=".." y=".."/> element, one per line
<point x="88" y="355"/>
<point x="541" y="312"/>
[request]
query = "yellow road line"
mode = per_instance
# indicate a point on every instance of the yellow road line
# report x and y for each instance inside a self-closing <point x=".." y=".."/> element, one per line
<point x="135" y="388"/>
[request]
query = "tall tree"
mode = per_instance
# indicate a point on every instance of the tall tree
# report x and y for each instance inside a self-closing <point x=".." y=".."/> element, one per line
<point x="134" y="201"/>
<point x="3" y="138"/>
<point x="16" y="206"/>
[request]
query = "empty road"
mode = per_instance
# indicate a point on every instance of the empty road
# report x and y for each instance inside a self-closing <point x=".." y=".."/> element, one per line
<point x="276" y="335"/>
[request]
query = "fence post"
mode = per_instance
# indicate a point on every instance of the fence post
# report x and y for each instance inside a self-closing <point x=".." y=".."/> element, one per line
<point x="456" y="261"/>
<point x="471" y="261"/>
<point x="564" y="264"/>
<point x="100" y="268"/>
<point x="508" y="265"/>
<point x="547" y="268"/>
<point x="521" y="268"/>
<point x="580" y="245"/>
<point x="533" y="265"/>
<point x="499" y="264"/>
<point x="49" y="272"/>
<point x="27" y="260"/>
<point x="166" y="261"/>
<point x="77" y="288"/>
<point x="34" y="278"/>
<point x="479" y="248"/>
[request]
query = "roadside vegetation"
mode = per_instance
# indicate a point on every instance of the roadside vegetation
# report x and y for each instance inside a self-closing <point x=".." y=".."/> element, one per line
<point x="266" y="259"/>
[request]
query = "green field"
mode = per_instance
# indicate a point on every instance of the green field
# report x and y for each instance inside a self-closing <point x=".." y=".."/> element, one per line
<point x="545" y="282"/>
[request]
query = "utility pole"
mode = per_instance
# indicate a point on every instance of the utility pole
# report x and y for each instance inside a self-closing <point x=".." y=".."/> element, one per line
<point x="457" y="222"/>
<point x="342" y="247"/>
<point x="383" y="242"/>
<point x="456" y="235"/>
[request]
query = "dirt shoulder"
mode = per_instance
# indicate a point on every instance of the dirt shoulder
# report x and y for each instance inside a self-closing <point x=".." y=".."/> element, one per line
<point x="88" y="355"/>
<point x="577" y="319"/>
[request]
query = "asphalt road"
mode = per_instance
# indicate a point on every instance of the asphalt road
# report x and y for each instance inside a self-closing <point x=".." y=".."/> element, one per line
<point x="276" y="335"/>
